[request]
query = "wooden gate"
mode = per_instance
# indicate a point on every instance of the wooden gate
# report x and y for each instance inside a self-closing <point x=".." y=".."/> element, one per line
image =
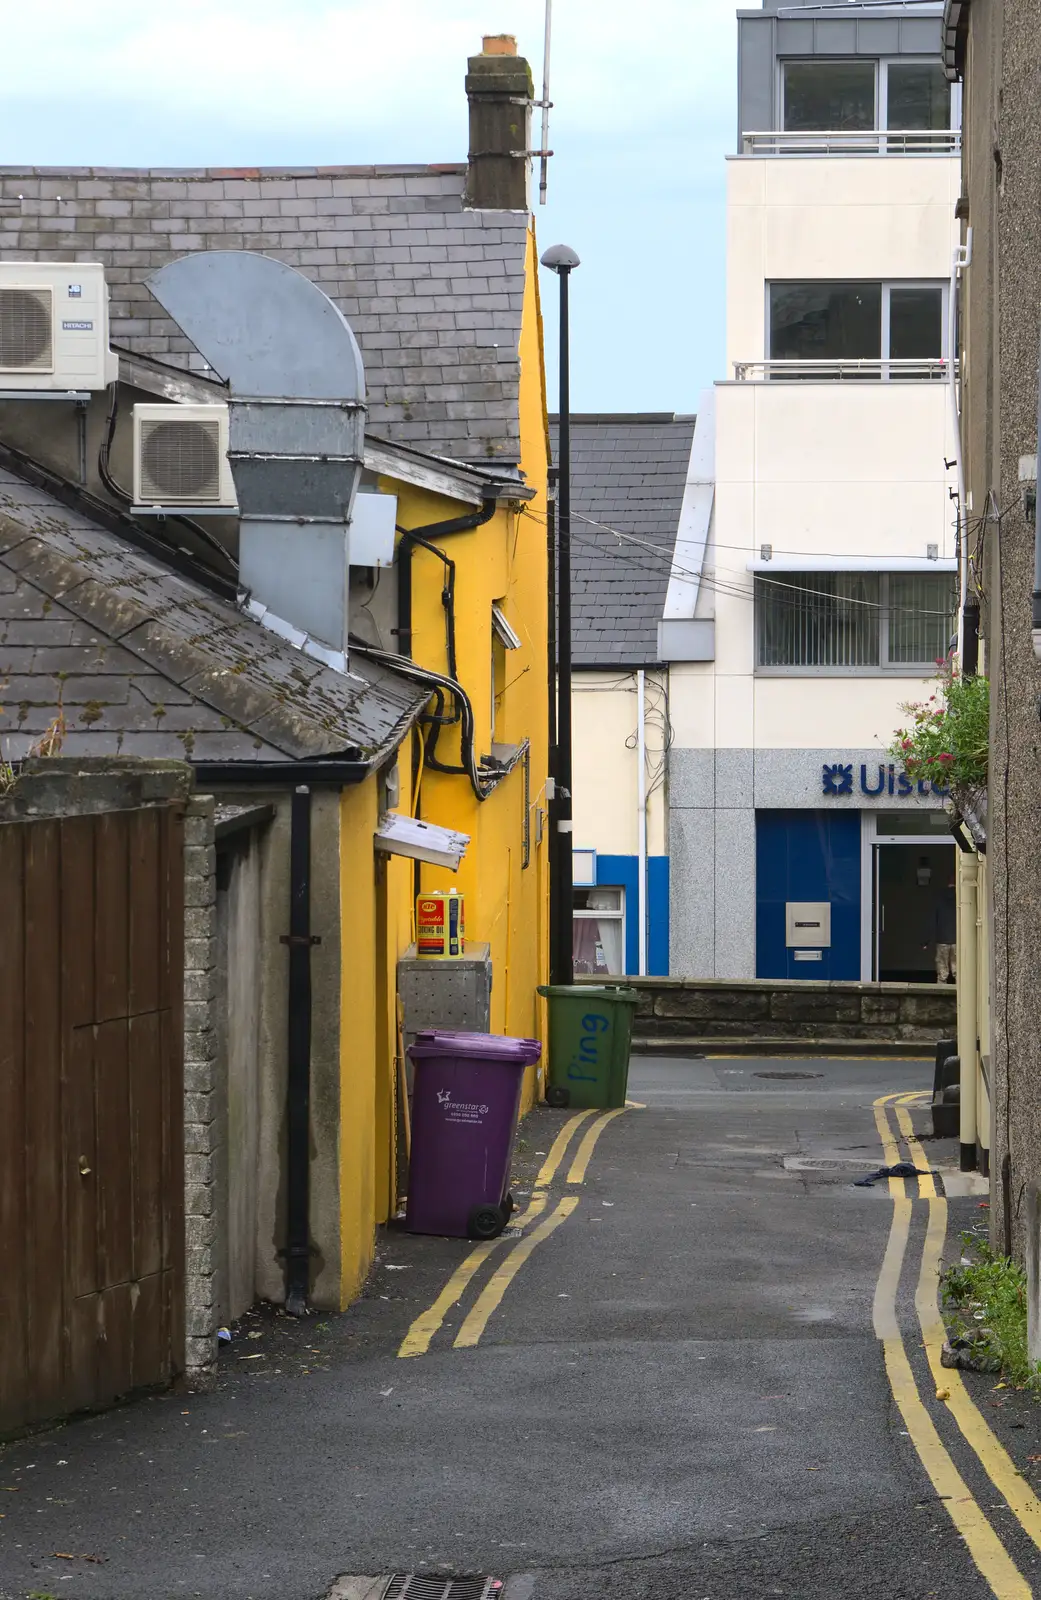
<point x="91" y="1110"/>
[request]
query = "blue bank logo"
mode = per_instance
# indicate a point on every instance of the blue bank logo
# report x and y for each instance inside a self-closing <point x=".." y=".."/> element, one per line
<point x="883" y="779"/>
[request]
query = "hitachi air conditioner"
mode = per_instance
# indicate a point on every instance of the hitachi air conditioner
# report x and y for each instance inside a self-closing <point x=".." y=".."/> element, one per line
<point x="181" y="456"/>
<point x="54" y="326"/>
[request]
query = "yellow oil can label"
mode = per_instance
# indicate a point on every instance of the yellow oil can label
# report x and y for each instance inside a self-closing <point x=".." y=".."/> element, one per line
<point x="440" y="931"/>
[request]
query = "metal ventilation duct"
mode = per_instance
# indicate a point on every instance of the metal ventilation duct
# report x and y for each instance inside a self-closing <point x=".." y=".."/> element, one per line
<point x="297" y="425"/>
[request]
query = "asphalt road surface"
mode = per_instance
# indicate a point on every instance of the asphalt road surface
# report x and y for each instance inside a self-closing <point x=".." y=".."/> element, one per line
<point x="667" y="1383"/>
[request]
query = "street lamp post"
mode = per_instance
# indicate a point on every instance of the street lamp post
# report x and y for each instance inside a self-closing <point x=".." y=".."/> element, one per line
<point x="562" y="260"/>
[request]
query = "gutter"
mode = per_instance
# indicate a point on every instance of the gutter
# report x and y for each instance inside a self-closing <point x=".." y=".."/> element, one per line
<point x="335" y="773"/>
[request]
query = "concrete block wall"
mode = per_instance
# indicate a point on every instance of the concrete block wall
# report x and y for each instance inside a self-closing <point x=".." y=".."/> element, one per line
<point x="205" y="1133"/>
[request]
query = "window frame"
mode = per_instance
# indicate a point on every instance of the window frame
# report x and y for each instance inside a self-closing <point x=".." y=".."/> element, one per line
<point x="881" y="65"/>
<point x="591" y="915"/>
<point x="886" y="285"/>
<point x="885" y="668"/>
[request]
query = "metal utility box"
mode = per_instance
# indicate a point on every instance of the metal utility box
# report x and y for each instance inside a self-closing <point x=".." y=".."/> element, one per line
<point x="807" y="924"/>
<point x="453" y="993"/>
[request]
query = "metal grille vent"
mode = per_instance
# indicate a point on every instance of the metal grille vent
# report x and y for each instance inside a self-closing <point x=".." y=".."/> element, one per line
<point x="25" y="330"/>
<point x="180" y="462"/>
<point x="405" y="1587"/>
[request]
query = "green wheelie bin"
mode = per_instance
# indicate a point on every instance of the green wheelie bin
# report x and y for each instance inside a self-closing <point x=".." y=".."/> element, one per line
<point x="590" y="1029"/>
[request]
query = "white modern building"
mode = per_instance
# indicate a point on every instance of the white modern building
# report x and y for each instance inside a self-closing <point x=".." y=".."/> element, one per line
<point x="814" y="577"/>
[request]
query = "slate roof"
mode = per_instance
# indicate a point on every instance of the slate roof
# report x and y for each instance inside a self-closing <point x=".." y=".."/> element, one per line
<point x="433" y="291"/>
<point x="149" y="663"/>
<point x="627" y="472"/>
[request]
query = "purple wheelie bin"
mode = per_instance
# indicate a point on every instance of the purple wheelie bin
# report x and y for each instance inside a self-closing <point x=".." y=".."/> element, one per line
<point x="465" y="1097"/>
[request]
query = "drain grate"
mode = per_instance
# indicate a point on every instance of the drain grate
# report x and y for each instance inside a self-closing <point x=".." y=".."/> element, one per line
<point x="787" y="1074"/>
<point x="413" y="1586"/>
<point x="404" y="1586"/>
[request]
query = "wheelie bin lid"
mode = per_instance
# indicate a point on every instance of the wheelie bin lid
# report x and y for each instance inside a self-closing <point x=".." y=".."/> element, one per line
<point x="495" y="1047"/>
<point x="589" y="991"/>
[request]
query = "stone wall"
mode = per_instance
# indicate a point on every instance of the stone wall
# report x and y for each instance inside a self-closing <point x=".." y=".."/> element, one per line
<point x="204" y="1096"/>
<point x="690" y="1012"/>
<point x="1002" y="298"/>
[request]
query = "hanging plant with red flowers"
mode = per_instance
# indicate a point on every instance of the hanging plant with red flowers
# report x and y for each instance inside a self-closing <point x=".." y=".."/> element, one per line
<point x="946" y="738"/>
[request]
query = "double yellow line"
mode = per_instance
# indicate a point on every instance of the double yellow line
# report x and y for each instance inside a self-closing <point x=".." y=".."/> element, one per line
<point x="419" y="1336"/>
<point x="994" y="1563"/>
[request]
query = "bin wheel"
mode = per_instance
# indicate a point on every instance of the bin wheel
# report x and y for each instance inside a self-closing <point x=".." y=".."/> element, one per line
<point x="557" y="1095"/>
<point x="486" y="1222"/>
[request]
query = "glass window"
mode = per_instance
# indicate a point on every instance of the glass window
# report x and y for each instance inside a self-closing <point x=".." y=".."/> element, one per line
<point x="818" y="619"/>
<point x="598" y="925"/>
<point x="830" y="96"/>
<point x="918" y="95"/>
<point x="921" y="616"/>
<point x="916" y="322"/>
<point x="910" y="822"/>
<point x="849" y="620"/>
<point x="829" y="323"/>
<point x="825" y="321"/>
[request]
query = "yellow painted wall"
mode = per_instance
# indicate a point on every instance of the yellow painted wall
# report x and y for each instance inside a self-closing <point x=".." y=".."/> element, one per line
<point x="503" y="561"/>
<point x="507" y="903"/>
<point x="359" y="1053"/>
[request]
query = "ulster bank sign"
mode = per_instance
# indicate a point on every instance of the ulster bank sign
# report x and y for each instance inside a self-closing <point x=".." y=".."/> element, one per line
<point x="873" y="780"/>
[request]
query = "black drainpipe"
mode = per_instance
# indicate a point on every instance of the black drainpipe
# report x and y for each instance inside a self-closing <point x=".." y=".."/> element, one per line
<point x="410" y="537"/>
<point x="298" y="1089"/>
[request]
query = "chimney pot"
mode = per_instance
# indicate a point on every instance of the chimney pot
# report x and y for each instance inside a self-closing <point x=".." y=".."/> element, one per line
<point x="499" y="44"/>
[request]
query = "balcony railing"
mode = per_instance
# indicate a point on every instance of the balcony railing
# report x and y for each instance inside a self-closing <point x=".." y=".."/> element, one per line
<point x="844" y="142"/>
<point x="936" y="370"/>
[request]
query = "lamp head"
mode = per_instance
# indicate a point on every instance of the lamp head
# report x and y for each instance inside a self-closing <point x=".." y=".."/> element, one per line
<point x="560" y="258"/>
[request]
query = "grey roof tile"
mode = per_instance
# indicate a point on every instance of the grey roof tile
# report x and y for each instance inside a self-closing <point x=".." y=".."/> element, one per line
<point x="146" y="662"/>
<point x="381" y="241"/>
<point x="627" y="473"/>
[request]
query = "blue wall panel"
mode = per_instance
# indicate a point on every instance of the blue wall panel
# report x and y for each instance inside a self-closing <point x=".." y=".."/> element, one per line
<point x="658" y="916"/>
<point x="624" y="872"/>
<point x="807" y="855"/>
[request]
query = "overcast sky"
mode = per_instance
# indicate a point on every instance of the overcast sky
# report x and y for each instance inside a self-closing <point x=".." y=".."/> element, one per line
<point x="643" y="116"/>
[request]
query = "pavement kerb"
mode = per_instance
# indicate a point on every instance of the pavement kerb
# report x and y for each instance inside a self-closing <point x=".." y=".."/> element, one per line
<point x="879" y="1049"/>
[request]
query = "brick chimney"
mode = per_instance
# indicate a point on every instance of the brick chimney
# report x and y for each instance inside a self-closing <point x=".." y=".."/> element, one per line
<point x="499" y="90"/>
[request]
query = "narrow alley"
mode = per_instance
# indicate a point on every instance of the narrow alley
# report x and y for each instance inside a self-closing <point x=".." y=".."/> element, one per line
<point x="666" y="1380"/>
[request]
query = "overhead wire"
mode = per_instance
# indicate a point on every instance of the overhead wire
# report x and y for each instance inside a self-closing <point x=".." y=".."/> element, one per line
<point x="711" y="579"/>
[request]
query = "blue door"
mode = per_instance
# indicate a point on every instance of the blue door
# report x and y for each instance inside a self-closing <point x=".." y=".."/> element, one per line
<point x="807" y="855"/>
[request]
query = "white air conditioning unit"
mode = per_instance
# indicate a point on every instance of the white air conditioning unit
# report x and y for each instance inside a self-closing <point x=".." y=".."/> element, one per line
<point x="181" y="457"/>
<point x="54" y="327"/>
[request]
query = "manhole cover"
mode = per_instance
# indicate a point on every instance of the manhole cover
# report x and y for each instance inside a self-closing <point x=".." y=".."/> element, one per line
<point x="787" y="1074"/>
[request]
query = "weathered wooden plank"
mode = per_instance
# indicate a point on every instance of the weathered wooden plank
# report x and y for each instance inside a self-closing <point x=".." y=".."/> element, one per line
<point x="115" y="1186"/>
<point x="150" y="1355"/>
<point x="115" y="1342"/>
<point x="77" y="920"/>
<point x="146" y="947"/>
<point x="171" y="1037"/>
<point x="81" y="1383"/>
<point x="14" y="1371"/>
<point x="43" y="1122"/>
<point x="80" y="1158"/>
<point x="145" y="1064"/>
<point x="79" y="1128"/>
<point x="111" y="916"/>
